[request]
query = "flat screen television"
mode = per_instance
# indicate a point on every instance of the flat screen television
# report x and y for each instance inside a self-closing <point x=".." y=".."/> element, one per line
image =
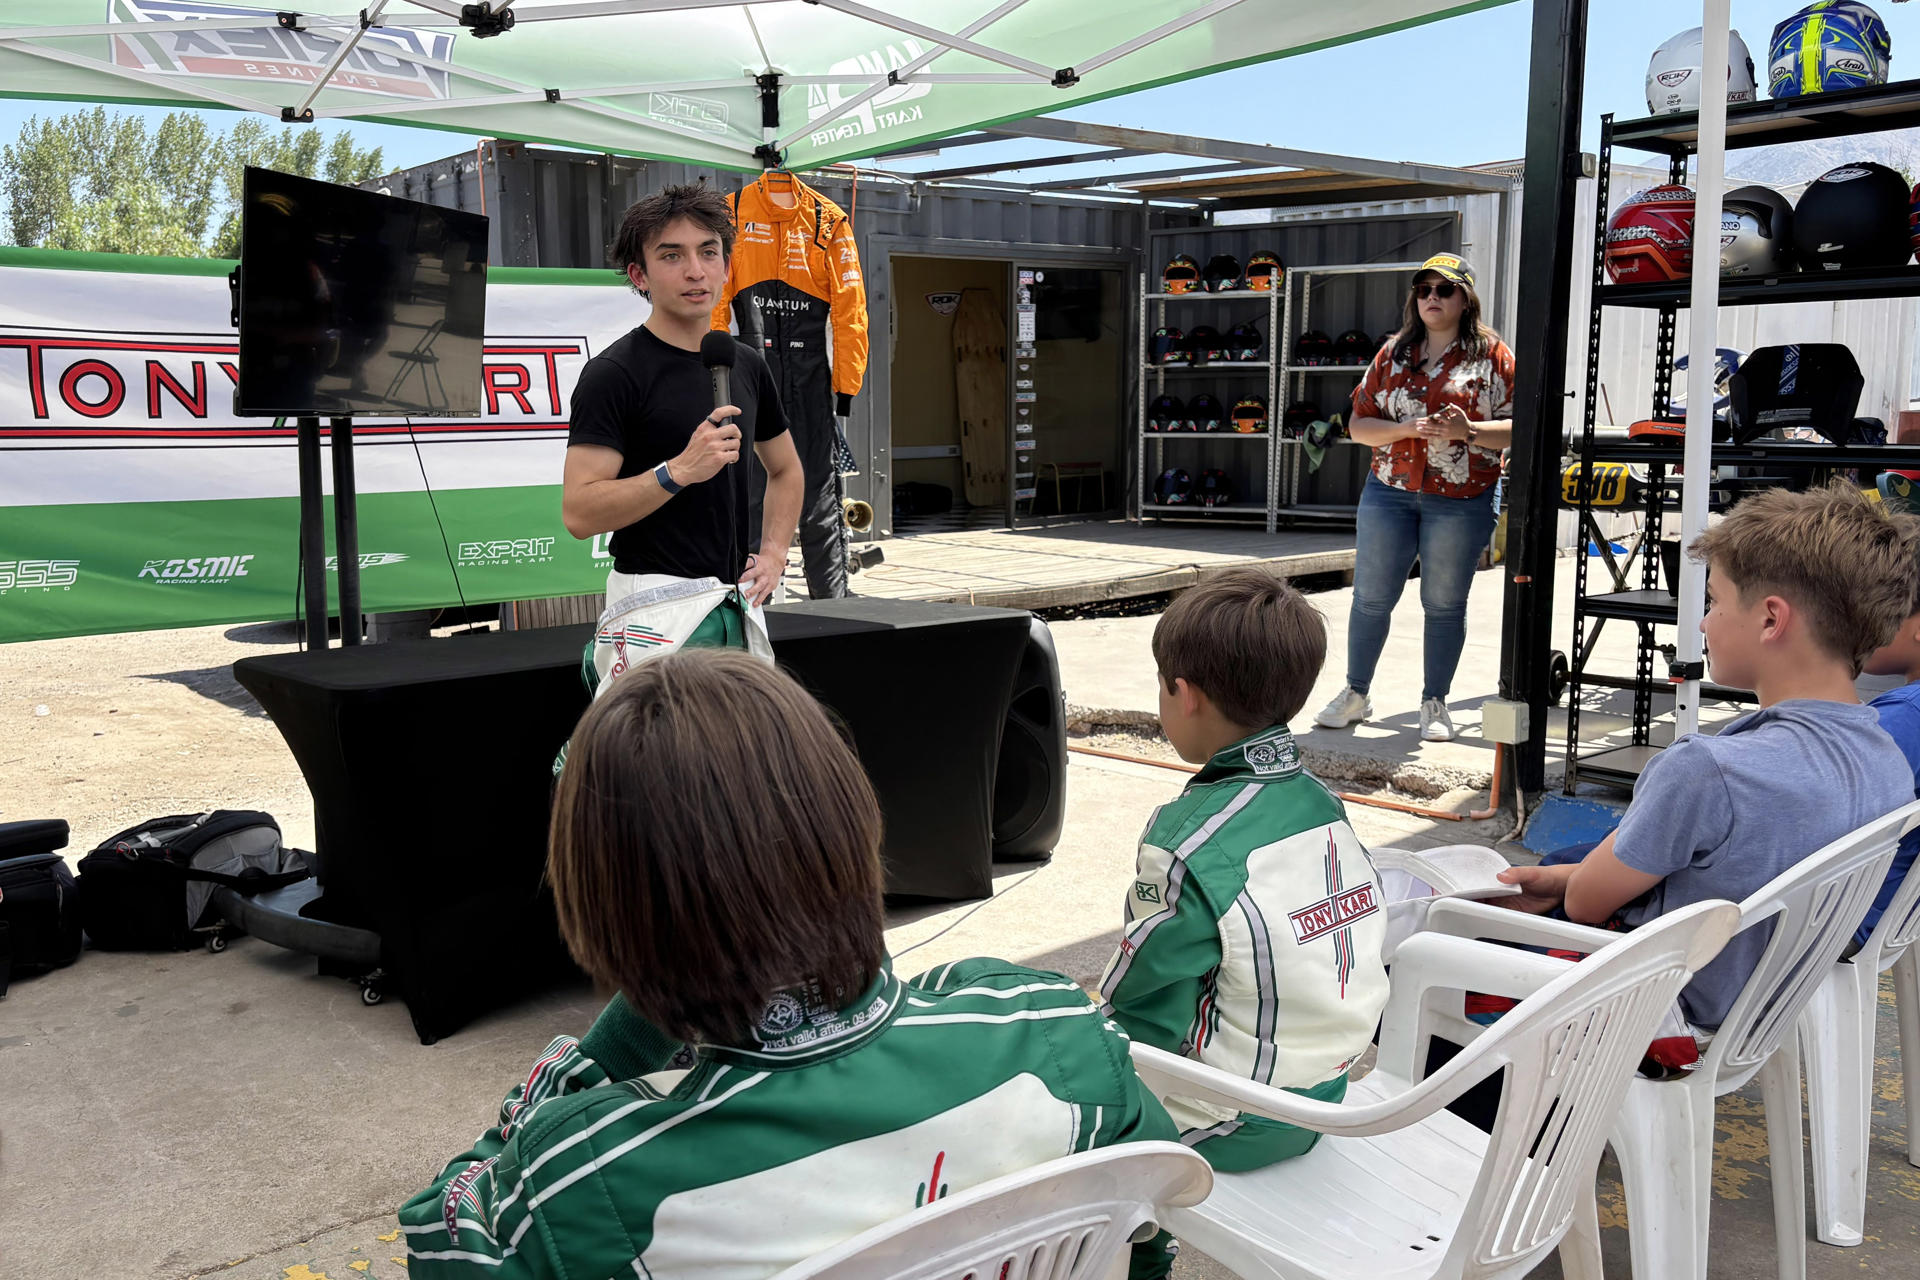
<point x="356" y="304"/>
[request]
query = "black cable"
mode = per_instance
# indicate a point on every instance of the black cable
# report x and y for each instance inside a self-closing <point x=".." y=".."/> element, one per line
<point x="439" y="523"/>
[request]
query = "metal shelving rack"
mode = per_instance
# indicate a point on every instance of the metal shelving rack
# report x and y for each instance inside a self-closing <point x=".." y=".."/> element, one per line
<point x="1293" y="459"/>
<point x="1649" y="606"/>
<point x="1153" y="382"/>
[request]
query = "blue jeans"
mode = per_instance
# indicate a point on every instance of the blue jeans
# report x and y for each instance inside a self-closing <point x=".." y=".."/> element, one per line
<point x="1394" y="528"/>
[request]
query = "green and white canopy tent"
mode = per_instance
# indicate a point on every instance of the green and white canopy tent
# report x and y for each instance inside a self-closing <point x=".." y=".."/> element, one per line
<point x="738" y="84"/>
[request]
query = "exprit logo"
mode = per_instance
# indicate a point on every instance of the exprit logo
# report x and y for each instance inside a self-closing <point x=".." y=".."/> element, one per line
<point x="199" y="570"/>
<point x="506" y="551"/>
<point x="369" y="560"/>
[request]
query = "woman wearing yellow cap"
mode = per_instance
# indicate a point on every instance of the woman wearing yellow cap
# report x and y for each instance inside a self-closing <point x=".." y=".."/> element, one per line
<point x="1435" y="406"/>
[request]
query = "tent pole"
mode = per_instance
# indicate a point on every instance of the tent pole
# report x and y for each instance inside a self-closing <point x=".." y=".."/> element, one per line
<point x="346" y="529"/>
<point x="1702" y="339"/>
<point x="313" y="532"/>
<point x="1540" y="331"/>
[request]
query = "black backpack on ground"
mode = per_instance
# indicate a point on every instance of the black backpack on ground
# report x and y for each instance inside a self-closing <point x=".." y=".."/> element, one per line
<point x="151" y="886"/>
<point x="39" y="909"/>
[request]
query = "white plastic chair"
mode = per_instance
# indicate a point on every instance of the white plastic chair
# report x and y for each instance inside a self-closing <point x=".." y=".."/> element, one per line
<point x="1405" y="1191"/>
<point x="1836" y="1038"/>
<point x="1664" y="1136"/>
<point x="1068" y="1219"/>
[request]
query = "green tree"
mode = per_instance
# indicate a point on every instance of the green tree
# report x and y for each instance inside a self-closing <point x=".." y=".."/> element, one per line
<point x="94" y="181"/>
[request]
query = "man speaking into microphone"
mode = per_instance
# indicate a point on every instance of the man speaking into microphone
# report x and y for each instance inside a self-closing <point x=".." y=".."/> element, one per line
<point x="652" y="457"/>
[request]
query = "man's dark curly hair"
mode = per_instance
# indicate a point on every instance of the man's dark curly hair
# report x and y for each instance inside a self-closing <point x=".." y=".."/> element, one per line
<point x="647" y="220"/>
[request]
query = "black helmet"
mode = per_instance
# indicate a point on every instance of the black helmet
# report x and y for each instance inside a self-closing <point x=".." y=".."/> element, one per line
<point x="1216" y="490"/>
<point x="1250" y="414"/>
<point x="1353" y="347"/>
<point x="1182" y="275"/>
<point x="1167" y="346"/>
<point x="1245" y="341"/>
<point x="1756" y="232"/>
<point x="1205" y="413"/>
<point x="1173" y="487"/>
<point x="1300" y="415"/>
<point x="1313" y="347"/>
<point x="1223" y="273"/>
<point x="1205" y="344"/>
<point x="1853" y="216"/>
<point x="1167" y="413"/>
<point x="1265" y="271"/>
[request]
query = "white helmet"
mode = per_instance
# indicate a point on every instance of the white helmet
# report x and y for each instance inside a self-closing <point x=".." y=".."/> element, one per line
<point x="1673" y="76"/>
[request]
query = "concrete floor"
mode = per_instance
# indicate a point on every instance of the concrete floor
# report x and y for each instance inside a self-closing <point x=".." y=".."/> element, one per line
<point x="1107" y="665"/>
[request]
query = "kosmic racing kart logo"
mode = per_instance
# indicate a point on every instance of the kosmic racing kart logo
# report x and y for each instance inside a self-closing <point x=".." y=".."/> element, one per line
<point x="201" y="570"/>
<point x="165" y="40"/>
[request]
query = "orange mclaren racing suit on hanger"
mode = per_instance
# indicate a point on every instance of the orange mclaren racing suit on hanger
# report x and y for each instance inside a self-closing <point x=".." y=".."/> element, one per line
<point x="795" y="277"/>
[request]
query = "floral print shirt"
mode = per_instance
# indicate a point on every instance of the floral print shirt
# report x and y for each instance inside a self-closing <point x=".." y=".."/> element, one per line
<point x="1398" y="392"/>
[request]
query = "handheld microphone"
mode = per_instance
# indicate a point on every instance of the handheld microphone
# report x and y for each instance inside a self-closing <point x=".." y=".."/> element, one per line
<point x="717" y="352"/>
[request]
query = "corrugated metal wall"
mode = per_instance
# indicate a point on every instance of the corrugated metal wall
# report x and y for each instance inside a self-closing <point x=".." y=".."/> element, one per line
<point x="561" y="209"/>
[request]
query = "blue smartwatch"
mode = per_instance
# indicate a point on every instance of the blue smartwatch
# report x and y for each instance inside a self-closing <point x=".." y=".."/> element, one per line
<point x="667" y="482"/>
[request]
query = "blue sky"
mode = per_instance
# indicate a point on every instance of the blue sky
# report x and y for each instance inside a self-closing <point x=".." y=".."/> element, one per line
<point x="1453" y="92"/>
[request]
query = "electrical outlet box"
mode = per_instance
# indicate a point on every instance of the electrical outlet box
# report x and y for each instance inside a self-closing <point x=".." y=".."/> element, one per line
<point x="1503" y="721"/>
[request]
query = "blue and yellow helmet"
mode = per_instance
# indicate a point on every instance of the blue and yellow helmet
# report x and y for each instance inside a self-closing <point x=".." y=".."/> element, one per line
<point x="1826" y="47"/>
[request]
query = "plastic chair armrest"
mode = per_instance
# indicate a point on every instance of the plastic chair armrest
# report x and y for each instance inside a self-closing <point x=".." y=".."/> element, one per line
<point x="1466" y="919"/>
<point x="1435" y="962"/>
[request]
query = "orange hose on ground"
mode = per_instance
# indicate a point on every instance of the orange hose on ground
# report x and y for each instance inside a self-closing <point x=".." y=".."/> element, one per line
<point x="1419" y="810"/>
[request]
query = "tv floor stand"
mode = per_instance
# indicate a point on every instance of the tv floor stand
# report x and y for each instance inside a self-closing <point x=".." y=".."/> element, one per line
<point x="313" y="537"/>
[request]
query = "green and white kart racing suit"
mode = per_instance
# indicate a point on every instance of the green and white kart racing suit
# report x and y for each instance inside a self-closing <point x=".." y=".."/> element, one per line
<point x="1253" y="943"/>
<point x="738" y="1161"/>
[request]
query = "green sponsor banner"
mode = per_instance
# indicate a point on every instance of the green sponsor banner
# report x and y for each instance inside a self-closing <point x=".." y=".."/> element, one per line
<point x="142" y="566"/>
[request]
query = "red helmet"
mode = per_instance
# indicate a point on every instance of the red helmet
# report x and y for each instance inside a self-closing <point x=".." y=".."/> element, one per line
<point x="1650" y="237"/>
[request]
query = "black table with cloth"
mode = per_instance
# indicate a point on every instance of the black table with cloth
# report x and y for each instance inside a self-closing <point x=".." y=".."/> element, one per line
<point x="430" y="767"/>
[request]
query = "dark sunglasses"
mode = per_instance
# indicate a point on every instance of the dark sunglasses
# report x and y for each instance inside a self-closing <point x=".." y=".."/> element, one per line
<point x="1444" y="289"/>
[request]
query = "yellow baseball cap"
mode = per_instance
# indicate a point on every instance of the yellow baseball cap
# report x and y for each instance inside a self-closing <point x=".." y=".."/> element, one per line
<point x="1449" y="266"/>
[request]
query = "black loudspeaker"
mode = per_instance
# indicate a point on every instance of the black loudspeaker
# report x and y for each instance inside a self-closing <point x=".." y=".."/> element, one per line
<point x="1030" y="782"/>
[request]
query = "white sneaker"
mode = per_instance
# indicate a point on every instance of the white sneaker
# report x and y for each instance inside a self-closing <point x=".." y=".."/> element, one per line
<point x="1435" y="724"/>
<point x="1348" y="707"/>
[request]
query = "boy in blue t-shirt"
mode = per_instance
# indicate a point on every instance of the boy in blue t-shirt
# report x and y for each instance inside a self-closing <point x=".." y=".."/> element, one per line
<point x="1900" y="716"/>
<point x="1802" y="588"/>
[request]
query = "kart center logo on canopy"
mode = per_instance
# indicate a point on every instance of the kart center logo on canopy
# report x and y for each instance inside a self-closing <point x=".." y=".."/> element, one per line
<point x="884" y="111"/>
<point x="384" y="62"/>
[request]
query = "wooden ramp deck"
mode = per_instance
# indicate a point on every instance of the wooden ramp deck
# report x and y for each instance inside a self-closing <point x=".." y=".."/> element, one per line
<point x="1082" y="563"/>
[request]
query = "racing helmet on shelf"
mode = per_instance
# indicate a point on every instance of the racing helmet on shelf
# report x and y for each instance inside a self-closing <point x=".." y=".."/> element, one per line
<point x="1857" y="215"/>
<point x="1215" y="488"/>
<point x="1250" y="414"/>
<point x="1826" y="47"/>
<point x="1264" y="271"/>
<point x="1650" y="236"/>
<point x="1173" y="487"/>
<point x="1168" y="413"/>
<point x="1673" y="74"/>
<point x="1756" y="232"/>
<point x="1222" y="274"/>
<point x="1182" y="275"/>
<point x="1204" y="413"/>
<point x="1245" y="341"/>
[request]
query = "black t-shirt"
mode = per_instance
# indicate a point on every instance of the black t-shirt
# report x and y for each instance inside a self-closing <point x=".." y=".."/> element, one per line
<point x="645" y="397"/>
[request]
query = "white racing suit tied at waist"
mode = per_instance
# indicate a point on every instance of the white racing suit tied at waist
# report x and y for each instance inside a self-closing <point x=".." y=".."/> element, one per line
<point x="649" y="615"/>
